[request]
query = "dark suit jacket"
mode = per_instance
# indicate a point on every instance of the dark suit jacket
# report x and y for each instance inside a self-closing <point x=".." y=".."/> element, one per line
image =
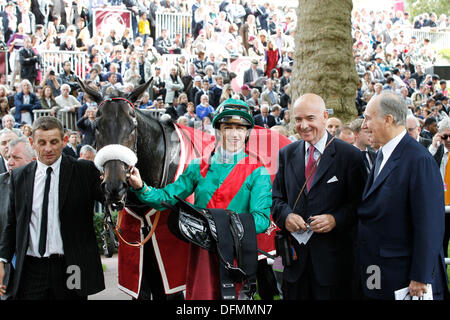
<point x="330" y="253"/>
<point x="401" y="223"/>
<point x="68" y="151"/>
<point x="88" y="130"/>
<point x="4" y="201"/>
<point x="3" y="168"/>
<point x="260" y="122"/>
<point x="198" y="96"/>
<point x="28" y="60"/>
<point x="439" y="155"/>
<point x="426" y="134"/>
<point x="425" y="142"/>
<point x="79" y="187"/>
<point x="18" y="102"/>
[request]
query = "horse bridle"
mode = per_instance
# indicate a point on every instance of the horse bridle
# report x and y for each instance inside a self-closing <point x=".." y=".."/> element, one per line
<point x="164" y="177"/>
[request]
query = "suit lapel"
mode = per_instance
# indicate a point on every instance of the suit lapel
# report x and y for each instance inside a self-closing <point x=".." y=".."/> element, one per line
<point x="299" y="168"/>
<point x="2" y="165"/>
<point x="65" y="175"/>
<point x="388" y="167"/>
<point x="325" y="162"/>
<point x="29" y="190"/>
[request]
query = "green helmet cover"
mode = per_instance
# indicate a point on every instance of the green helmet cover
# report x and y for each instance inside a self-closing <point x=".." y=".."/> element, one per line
<point x="232" y="109"/>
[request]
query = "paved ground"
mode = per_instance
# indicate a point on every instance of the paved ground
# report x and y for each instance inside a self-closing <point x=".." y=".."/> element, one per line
<point x="111" y="292"/>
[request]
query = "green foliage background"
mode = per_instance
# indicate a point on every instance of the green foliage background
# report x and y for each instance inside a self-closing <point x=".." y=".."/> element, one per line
<point x="417" y="7"/>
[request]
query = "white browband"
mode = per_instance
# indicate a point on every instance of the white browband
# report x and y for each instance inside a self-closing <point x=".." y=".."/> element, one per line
<point x="114" y="152"/>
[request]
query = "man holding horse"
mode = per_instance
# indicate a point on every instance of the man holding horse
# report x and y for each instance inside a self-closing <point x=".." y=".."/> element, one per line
<point x="228" y="178"/>
<point x="50" y="223"/>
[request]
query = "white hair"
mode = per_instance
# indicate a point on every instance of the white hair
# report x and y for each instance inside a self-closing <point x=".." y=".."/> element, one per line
<point x="444" y="124"/>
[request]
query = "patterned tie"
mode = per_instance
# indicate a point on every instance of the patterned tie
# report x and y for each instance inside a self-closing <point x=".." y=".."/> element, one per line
<point x="310" y="169"/>
<point x="378" y="162"/>
<point x="447" y="181"/>
<point x="366" y="161"/>
<point x="44" y="221"/>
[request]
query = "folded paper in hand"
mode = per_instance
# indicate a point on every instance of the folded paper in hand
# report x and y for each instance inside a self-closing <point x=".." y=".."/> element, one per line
<point x="260" y="81"/>
<point x="302" y="236"/>
<point x="403" y="294"/>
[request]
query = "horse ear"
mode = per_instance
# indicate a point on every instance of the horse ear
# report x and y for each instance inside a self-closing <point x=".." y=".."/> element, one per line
<point x="95" y="95"/>
<point x="134" y="95"/>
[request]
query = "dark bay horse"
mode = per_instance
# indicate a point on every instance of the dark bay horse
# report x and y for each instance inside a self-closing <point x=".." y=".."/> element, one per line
<point x="157" y="149"/>
<point x="129" y="135"/>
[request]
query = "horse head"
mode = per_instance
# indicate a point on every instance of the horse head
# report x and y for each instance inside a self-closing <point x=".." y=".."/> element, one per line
<point x="115" y="139"/>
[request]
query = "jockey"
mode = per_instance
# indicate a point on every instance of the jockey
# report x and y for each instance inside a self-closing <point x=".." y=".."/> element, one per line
<point x="228" y="179"/>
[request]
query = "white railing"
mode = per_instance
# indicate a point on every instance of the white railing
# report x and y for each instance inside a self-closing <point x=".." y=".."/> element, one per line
<point x="68" y="119"/>
<point x="438" y="39"/>
<point x="174" y="23"/>
<point x="41" y="113"/>
<point x="168" y="60"/>
<point x="55" y="59"/>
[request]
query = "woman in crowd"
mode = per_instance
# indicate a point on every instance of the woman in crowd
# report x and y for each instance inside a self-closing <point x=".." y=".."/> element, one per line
<point x="272" y="57"/>
<point x="4" y="108"/>
<point x="47" y="99"/>
<point x="191" y="115"/>
<point x="227" y="93"/>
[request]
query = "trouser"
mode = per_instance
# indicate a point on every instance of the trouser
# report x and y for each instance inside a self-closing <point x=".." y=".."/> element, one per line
<point x="45" y="279"/>
<point x="267" y="283"/>
<point x="308" y="288"/>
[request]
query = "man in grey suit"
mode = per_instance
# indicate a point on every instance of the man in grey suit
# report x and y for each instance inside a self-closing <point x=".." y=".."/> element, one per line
<point x="252" y="74"/>
<point x="20" y="153"/>
<point x="270" y="96"/>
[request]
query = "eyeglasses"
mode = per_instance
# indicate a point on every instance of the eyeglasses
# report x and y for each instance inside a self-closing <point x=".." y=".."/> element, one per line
<point x="445" y="136"/>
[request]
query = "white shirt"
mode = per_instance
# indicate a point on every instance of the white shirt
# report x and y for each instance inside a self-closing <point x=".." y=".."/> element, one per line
<point x="433" y="151"/>
<point x="54" y="239"/>
<point x="319" y="147"/>
<point x="389" y="147"/>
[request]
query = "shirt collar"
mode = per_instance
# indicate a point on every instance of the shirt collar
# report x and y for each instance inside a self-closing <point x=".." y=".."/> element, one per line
<point x="55" y="166"/>
<point x="389" y="147"/>
<point x="320" y="145"/>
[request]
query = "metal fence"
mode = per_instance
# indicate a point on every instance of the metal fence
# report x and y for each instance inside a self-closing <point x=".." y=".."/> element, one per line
<point x="67" y="118"/>
<point x="174" y="23"/>
<point x="438" y="39"/>
<point x="55" y="59"/>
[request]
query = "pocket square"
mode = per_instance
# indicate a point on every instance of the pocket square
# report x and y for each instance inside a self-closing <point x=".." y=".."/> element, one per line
<point x="334" y="179"/>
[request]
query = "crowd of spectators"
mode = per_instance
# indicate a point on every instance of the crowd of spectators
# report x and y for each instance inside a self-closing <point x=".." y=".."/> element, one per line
<point x="200" y="79"/>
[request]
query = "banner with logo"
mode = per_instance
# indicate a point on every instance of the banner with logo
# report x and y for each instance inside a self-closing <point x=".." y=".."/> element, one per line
<point x="107" y="19"/>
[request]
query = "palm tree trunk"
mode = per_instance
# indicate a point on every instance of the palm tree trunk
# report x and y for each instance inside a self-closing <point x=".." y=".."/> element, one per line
<point x="324" y="62"/>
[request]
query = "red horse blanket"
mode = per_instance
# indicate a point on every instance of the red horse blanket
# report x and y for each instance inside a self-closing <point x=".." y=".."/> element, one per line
<point x="172" y="253"/>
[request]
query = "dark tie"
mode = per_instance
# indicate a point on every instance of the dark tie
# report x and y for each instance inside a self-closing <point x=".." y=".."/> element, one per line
<point x="310" y="169"/>
<point x="43" y="234"/>
<point x="378" y="162"/>
<point x="366" y="161"/>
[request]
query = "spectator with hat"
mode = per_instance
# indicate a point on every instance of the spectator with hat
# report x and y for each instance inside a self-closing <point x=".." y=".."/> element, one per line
<point x="245" y="94"/>
<point x="252" y="74"/>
